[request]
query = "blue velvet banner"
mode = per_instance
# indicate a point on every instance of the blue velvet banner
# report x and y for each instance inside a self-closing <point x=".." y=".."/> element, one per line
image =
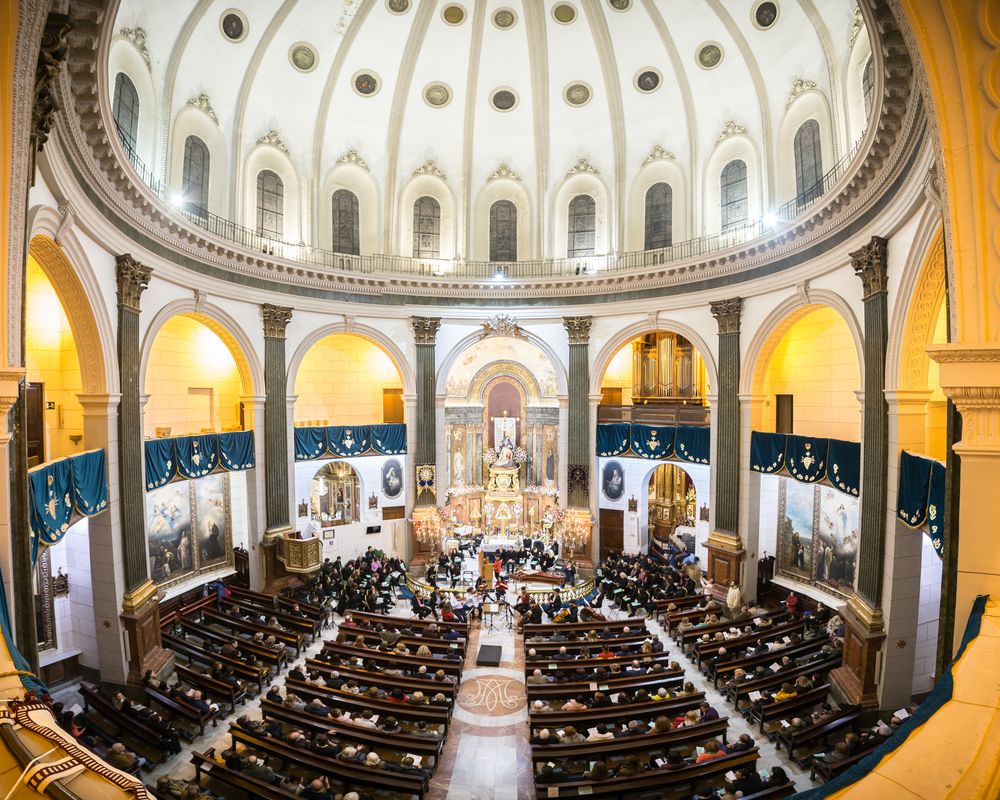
<point x="389" y="440"/>
<point x="805" y="458"/>
<point x="236" y="451"/>
<point x="653" y="441"/>
<point x="767" y="452"/>
<point x="844" y="466"/>
<point x="914" y="486"/>
<point x="197" y="456"/>
<point x="613" y="438"/>
<point x="935" y="507"/>
<point x="693" y="444"/>
<point x="310" y="443"/>
<point x="29" y="680"/>
<point x="348" y="440"/>
<point x="161" y="463"/>
<point x="56" y="490"/>
<point x="90" y="482"/>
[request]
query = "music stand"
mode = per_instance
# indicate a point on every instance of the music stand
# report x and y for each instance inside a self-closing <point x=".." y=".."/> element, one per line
<point x="489" y="611"/>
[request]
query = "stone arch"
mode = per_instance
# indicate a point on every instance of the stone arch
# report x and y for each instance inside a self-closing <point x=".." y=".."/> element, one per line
<point x="376" y="337"/>
<point x="465" y="343"/>
<point x="222" y="325"/>
<point x="79" y="293"/>
<point x="485" y="377"/>
<point x="771" y="331"/>
<point x="603" y="358"/>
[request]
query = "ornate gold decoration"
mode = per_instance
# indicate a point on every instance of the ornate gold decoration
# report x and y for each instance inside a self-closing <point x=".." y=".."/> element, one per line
<point x="202" y="103"/>
<point x="727" y="314"/>
<point x="300" y="555"/>
<point x="353" y="157"/>
<point x="582" y="166"/>
<point x="503" y="172"/>
<point x="273" y="138"/>
<point x="430" y="168"/>
<point x="730" y="129"/>
<point x="870" y="263"/>
<point x="276" y="319"/>
<point x="799" y="86"/>
<point x="658" y="153"/>
<point x="921" y="316"/>
<point x="425" y="329"/>
<point x="132" y="278"/>
<point x="501" y="325"/>
<point x="578" y="329"/>
<point x="133" y="602"/>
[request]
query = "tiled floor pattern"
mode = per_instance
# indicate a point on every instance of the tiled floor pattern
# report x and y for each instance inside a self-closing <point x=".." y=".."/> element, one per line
<point x="486" y="755"/>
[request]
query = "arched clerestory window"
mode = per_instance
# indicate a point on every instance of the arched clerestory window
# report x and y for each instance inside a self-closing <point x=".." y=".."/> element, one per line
<point x="808" y="162"/>
<point x="194" y="179"/>
<point x="270" y="204"/>
<point x="346" y="223"/>
<point x="659" y="216"/>
<point x="503" y="231"/>
<point x="125" y="109"/>
<point x="733" y="194"/>
<point x="582" y="227"/>
<point x="426" y="228"/>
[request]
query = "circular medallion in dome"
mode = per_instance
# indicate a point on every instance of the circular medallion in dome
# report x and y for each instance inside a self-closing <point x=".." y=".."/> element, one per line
<point x="504" y="18"/>
<point x="453" y="14"/>
<point x="398" y="6"/>
<point x="577" y="94"/>
<point x="303" y="57"/>
<point x="648" y="80"/>
<point x="709" y="55"/>
<point x="765" y="14"/>
<point x="366" y="83"/>
<point x="620" y="5"/>
<point x="564" y="13"/>
<point x="437" y="95"/>
<point x="503" y="99"/>
<point x="233" y="25"/>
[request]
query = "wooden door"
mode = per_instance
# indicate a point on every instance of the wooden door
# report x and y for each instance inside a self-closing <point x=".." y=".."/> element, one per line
<point x="784" y="413"/>
<point x="611" y="395"/>
<point x="392" y="406"/>
<point x="612" y="530"/>
<point x="34" y="403"/>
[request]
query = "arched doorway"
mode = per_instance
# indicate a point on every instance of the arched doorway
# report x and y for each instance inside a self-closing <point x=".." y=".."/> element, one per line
<point x="672" y="505"/>
<point x="334" y="496"/>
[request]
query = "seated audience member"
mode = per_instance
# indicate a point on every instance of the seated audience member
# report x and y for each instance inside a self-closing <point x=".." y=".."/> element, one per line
<point x="123" y="759"/>
<point x="712" y="751"/>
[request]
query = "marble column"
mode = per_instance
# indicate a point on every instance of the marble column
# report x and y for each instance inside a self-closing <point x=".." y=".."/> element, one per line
<point x="424" y="456"/>
<point x="140" y="606"/>
<point x="751" y="416"/>
<point x="253" y="408"/>
<point x="276" y="319"/>
<point x="725" y="552"/>
<point x="578" y="416"/>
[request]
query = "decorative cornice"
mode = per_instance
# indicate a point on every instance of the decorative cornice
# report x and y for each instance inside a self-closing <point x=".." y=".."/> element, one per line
<point x="503" y="172"/>
<point x="50" y="58"/>
<point x="502" y="325"/>
<point x="730" y="129"/>
<point x="137" y="36"/>
<point x="582" y="166"/>
<point x="202" y="103"/>
<point x="799" y="86"/>
<point x="425" y="329"/>
<point x="273" y="139"/>
<point x="952" y="354"/>
<point x="658" y="153"/>
<point x="870" y="263"/>
<point x="430" y="168"/>
<point x="727" y="313"/>
<point x="578" y="329"/>
<point x="276" y="319"/>
<point x="132" y="279"/>
<point x="353" y="157"/>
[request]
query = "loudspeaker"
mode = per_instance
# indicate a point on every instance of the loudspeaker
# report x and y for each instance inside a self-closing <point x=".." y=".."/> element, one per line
<point x="489" y="655"/>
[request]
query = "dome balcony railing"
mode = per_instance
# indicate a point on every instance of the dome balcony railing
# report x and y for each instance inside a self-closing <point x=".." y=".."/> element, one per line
<point x="380" y="264"/>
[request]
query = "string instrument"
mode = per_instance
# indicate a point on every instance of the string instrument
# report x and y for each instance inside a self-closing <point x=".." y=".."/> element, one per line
<point x="561" y="615"/>
<point x="587" y="614"/>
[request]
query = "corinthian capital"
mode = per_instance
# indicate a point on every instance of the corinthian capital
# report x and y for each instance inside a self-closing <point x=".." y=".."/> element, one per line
<point x="578" y="329"/>
<point x="132" y="278"/>
<point x="727" y="314"/>
<point x="276" y="319"/>
<point x="870" y="263"/>
<point x="425" y="329"/>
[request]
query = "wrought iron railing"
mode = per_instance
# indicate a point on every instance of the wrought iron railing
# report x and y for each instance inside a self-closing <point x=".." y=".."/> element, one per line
<point x="307" y="255"/>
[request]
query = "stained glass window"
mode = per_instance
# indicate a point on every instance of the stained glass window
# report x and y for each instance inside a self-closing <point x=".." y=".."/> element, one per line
<point x="194" y="181"/>
<point x="503" y="231"/>
<point x="125" y="109"/>
<point x="733" y="194"/>
<point x="659" y="216"/>
<point x="426" y="228"/>
<point x="346" y="226"/>
<point x="808" y="162"/>
<point x="270" y="204"/>
<point x="582" y="226"/>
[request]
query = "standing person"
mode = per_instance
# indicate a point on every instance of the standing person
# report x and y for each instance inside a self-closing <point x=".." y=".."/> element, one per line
<point x="734" y="599"/>
<point x="792" y="604"/>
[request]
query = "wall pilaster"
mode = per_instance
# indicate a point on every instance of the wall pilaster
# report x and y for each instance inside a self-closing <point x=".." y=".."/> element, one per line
<point x="425" y="331"/>
<point x="578" y="417"/>
<point x="276" y="492"/>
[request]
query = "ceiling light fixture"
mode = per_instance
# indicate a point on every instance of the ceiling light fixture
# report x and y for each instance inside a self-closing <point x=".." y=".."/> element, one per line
<point x="770" y="219"/>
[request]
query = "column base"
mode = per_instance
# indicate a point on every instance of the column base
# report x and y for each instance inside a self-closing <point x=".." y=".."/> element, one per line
<point x="725" y="558"/>
<point x="864" y="635"/>
<point x="140" y="618"/>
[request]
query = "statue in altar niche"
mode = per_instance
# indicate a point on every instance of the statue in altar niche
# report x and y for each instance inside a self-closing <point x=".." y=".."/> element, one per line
<point x="505" y="452"/>
<point x="504" y="479"/>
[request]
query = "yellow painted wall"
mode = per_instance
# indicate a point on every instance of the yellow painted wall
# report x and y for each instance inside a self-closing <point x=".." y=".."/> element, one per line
<point x="52" y="359"/>
<point x="816" y="362"/>
<point x="192" y="380"/>
<point x="619" y="374"/>
<point x="937" y="407"/>
<point x="340" y="381"/>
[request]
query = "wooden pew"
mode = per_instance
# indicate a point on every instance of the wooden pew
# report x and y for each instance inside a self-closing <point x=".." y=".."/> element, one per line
<point x="684" y="603"/>
<point x="450" y="666"/>
<point x="575" y="646"/>
<point x="545" y="691"/>
<point x="830" y="771"/>
<point x="703" y="649"/>
<point x="350" y="775"/>
<point x="372" y="639"/>
<point x="593" y="663"/>
<point x="582" y="720"/>
<point x="687" y="639"/>
<point x="739" y="692"/>
<point x="784" y="709"/>
<point x="388" y="619"/>
<point x="205" y="764"/>
<point x="649" y="782"/>
<point x="274" y="658"/>
<point x="310" y="628"/>
<point x="92" y="698"/>
<point x="725" y="669"/>
<point x="245" y="672"/>
<point x="437" y="715"/>
<point x="792" y="739"/>
<point x="220" y="691"/>
<point x="178" y="708"/>
<point x="290" y="638"/>
<point x="380" y="679"/>
<point x="281" y="602"/>
<point x="548" y="628"/>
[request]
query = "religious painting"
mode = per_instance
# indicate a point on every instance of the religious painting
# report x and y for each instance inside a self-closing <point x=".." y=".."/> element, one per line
<point x="613" y="480"/>
<point x="212" y="517"/>
<point x="392" y="478"/>
<point x="796" y="527"/>
<point x="837" y="540"/>
<point x="168" y="528"/>
<point x="336" y="492"/>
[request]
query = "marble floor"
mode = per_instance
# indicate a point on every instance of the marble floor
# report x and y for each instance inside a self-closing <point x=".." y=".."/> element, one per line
<point x="486" y="754"/>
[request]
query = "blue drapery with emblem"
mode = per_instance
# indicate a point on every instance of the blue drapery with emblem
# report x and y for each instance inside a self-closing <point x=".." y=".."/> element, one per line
<point x="935" y="507"/>
<point x="161" y="463"/>
<point x="56" y="490"/>
<point x="920" y="496"/>
<point x="653" y="441"/>
<point x="348" y="440"/>
<point x="310" y="443"/>
<point x="805" y="458"/>
<point x="236" y="451"/>
<point x="29" y="680"/>
<point x="693" y="444"/>
<point x="613" y="438"/>
<point x="767" y="452"/>
<point x="197" y="456"/>
<point x="843" y="466"/>
<point x="388" y="440"/>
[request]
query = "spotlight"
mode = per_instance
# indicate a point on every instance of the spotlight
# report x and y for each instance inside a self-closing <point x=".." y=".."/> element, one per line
<point x="176" y="199"/>
<point x="770" y="219"/>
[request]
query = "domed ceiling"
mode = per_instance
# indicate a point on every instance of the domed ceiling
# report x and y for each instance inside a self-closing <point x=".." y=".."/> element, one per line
<point x="530" y="90"/>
